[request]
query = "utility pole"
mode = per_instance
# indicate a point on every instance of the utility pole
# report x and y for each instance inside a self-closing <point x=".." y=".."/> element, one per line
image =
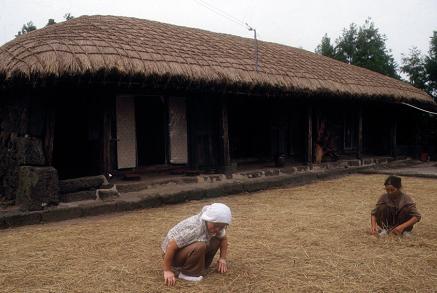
<point x="256" y="45"/>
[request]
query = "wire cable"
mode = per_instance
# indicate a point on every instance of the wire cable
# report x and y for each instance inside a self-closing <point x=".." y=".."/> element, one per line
<point x="220" y="12"/>
<point x="417" y="108"/>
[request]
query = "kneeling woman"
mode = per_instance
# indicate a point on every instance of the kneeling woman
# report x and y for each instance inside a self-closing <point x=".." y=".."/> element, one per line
<point x="191" y="245"/>
<point x="395" y="211"/>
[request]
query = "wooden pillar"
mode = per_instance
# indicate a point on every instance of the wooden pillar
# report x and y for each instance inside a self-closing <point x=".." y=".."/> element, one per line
<point x="393" y="142"/>
<point x="166" y="133"/>
<point x="49" y="133"/>
<point x="224" y="134"/>
<point x="107" y="104"/>
<point x="191" y="142"/>
<point x="360" y="134"/>
<point x="310" y="135"/>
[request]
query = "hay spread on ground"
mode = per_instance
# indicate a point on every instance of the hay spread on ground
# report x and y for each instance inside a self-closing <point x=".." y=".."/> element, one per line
<point x="312" y="238"/>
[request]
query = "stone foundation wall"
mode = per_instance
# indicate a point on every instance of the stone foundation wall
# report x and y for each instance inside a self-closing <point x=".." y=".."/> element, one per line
<point x="22" y="122"/>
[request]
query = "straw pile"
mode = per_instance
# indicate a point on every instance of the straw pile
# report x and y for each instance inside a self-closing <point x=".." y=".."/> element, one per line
<point x="307" y="239"/>
<point x="135" y="47"/>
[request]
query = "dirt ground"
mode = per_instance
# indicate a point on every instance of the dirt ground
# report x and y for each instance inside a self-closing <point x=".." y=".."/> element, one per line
<point x="312" y="238"/>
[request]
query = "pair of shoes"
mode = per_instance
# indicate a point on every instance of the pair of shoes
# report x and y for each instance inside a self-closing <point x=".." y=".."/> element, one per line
<point x="407" y="234"/>
<point x="383" y="233"/>
<point x="190" y="278"/>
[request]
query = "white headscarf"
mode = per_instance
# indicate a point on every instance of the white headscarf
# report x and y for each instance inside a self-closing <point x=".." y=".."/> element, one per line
<point x="217" y="213"/>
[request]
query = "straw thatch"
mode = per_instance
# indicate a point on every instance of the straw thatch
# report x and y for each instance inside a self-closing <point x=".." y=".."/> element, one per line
<point x="312" y="238"/>
<point x="132" y="47"/>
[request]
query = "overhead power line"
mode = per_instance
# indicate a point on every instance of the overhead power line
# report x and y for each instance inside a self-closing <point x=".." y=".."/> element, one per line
<point x="420" y="109"/>
<point x="220" y="12"/>
<point x="235" y="20"/>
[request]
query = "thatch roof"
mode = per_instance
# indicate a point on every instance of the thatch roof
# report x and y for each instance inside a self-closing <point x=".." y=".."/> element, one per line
<point x="90" y="44"/>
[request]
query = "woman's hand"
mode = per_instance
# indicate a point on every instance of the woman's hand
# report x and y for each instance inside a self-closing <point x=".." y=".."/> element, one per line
<point x="373" y="230"/>
<point x="373" y="225"/>
<point x="169" y="278"/>
<point x="222" y="267"/>
<point x="398" y="230"/>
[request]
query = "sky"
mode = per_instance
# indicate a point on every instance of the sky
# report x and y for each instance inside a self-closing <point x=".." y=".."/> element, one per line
<point x="302" y="24"/>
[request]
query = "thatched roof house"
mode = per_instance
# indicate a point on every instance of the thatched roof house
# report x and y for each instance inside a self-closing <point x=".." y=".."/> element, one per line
<point x="138" y="48"/>
<point x="98" y="94"/>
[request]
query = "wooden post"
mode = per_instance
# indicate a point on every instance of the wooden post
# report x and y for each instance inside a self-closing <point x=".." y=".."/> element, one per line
<point x="224" y="133"/>
<point x="49" y="133"/>
<point x="166" y="133"/>
<point x="310" y="136"/>
<point x="106" y="103"/>
<point x="360" y="134"/>
<point x="393" y="138"/>
<point x="192" y="151"/>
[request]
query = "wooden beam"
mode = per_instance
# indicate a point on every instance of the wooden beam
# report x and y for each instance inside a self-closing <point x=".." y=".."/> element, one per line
<point x="393" y="142"/>
<point x="360" y="133"/>
<point x="49" y="134"/>
<point x="165" y="120"/>
<point x="106" y="135"/>
<point x="310" y="135"/>
<point x="224" y="133"/>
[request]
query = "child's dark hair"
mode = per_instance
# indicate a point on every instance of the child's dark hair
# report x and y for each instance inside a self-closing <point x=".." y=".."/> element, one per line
<point x="394" y="181"/>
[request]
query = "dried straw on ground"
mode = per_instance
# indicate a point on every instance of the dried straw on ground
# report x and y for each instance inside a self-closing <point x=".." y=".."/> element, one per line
<point x="312" y="238"/>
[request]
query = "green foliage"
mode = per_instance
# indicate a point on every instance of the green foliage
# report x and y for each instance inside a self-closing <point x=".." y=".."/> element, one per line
<point x="414" y="66"/>
<point x="422" y="70"/>
<point x="431" y="65"/>
<point x="68" y="16"/>
<point x="346" y="45"/>
<point x="28" y="27"/>
<point x="364" y="46"/>
<point x="325" y="48"/>
<point x="50" y="22"/>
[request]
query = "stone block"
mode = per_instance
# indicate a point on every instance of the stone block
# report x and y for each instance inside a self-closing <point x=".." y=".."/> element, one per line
<point x="354" y="163"/>
<point x="10" y="183"/>
<point x="172" y="198"/>
<point x="255" y="186"/>
<point x="29" y="151"/>
<point x="150" y="201"/>
<point x="302" y="168"/>
<point x="273" y="172"/>
<point x="3" y="224"/>
<point x="215" y="192"/>
<point x="37" y="187"/>
<point x="194" y="194"/>
<point x="98" y="208"/>
<point x="17" y="219"/>
<point x="82" y="183"/>
<point x="61" y="214"/>
<point x="108" y="194"/>
<point x="77" y="196"/>
<point x="233" y="188"/>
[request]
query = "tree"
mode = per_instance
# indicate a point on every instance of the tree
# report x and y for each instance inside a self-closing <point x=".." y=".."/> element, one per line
<point x="364" y="46"/>
<point x="414" y="66"/>
<point x="28" y="27"/>
<point x="68" y="16"/>
<point x="345" y="47"/>
<point x="50" y="22"/>
<point x="431" y="66"/>
<point x="325" y="48"/>
<point x="371" y="51"/>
